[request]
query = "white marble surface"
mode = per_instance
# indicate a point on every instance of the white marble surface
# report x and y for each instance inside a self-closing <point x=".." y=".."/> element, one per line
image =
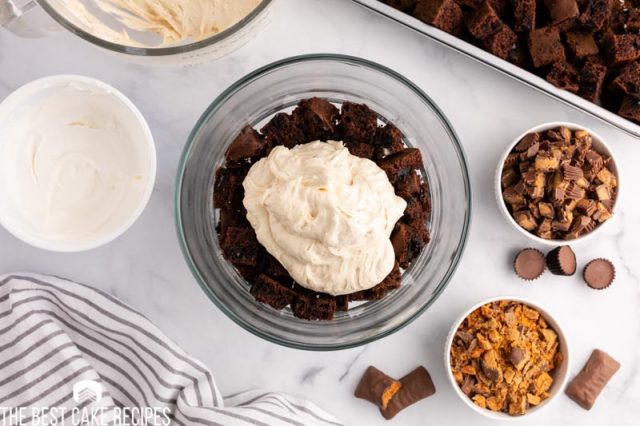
<point x="145" y="267"/>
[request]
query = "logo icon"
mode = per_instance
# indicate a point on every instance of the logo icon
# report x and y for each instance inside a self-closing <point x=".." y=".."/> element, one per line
<point x="87" y="390"/>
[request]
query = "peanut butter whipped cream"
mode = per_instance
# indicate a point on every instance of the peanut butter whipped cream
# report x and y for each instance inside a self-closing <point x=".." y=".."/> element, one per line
<point x="175" y="21"/>
<point x="325" y="215"/>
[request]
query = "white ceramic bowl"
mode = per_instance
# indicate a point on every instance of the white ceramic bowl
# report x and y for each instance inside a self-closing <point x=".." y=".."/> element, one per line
<point x="560" y="375"/>
<point x="598" y="143"/>
<point x="139" y="154"/>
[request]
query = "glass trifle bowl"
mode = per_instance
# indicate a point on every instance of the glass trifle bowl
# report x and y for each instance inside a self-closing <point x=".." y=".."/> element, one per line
<point x="278" y="87"/>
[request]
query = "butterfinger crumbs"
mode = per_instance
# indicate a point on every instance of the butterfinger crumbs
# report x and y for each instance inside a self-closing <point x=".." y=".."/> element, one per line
<point x="503" y="357"/>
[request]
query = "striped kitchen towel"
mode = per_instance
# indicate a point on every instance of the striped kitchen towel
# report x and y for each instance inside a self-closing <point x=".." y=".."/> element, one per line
<point x="73" y="355"/>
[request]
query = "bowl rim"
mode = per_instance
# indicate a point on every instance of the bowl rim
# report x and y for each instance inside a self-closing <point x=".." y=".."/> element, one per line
<point x="148" y="143"/>
<point x="502" y="206"/>
<point x="154" y="51"/>
<point x="562" y="336"/>
<point x="229" y="92"/>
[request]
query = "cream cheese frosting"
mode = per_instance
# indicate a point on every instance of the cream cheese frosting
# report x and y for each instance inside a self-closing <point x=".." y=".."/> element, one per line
<point x="325" y="215"/>
<point x="74" y="164"/>
<point x="174" y="21"/>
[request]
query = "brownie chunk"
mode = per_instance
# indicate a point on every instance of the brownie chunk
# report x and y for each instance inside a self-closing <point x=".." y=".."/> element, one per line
<point x="357" y="123"/>
<point x="590" y="79"/>
<point x="564" y="76"/>
<point x="409" y="185"/>
<point x="391" y="282"/>
<point x="404" y="244"/>
<point x="483" y="21"/>
<point x="319" y="119"/>
<point x="313" y="306"/>
<point x="596" y="15"/>
<point x="501" y="43"/>
<point x="562" y="10"/>
<point x="248" y="146"/>
<point x="228" y="191"/>
<point x="267" y="290"/>
<point x="239" y="246"/>
<point x="400" y="163"/>
<point x="581" y="44"/>
<point x="545" y="46"/>
<point x="622" y="48"/>
<point x="388" y="140"/>
<point x="630" y="109"/>
<point x="360" y="149"/>
<point x="632" y="23"/>
<point x="524" y="15"/>
<point x="283" y="129"/>
<point x="405" y="6"/>
<point x="443" y="14"/>
<point x="628" y="81"/>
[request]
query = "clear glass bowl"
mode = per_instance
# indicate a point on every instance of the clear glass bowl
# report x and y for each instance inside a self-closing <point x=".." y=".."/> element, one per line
<point x="188" y="52"/>
<point x="279" y="87"/>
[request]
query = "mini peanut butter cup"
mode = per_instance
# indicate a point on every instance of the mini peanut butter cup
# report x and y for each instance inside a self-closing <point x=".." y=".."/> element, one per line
<point x="562" y="261"/>
<point x="599" y="274"/>
<point x="529" y="264"/>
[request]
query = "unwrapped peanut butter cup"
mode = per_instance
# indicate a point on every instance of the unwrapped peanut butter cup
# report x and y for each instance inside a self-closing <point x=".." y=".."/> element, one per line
<point x="562" y="261"/>
<point x="529" y="264"/>
<point x="599" y="274"/>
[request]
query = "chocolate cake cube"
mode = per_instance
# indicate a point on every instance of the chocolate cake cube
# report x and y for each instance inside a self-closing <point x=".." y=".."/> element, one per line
<point x="409" y="185"/>
<point x="247" y="146"/>
<point x="563" y="75"/>
<point x="391" y="282"/>
<point x="415" y="209"/>
<point x="632" y="23"/>
<point x="388" y="140"/>
<point x="360" y="149"/>
<point x="562" y="10"/>
<point x="319" y="119"/>
<point x="267" y="290"/>
<point x="269" y="265"/>
<point x="284" y="129"/>
<point x="628" y="81"/>
<point x="402" y="241"/>
<point x="590" y="80"/>
<point x="228" y="191"/>
<point x="483" y="21"/>
<point x="596" y="15"/>
<point x="239" y="246"/>
<point x="443" y="14"/>
<point x="524" y="15"/>
<point x="501" y="43"/>
<point x="405" y="6"/>
<point x="581" y="44"/>
<point x="342" y="303"/>
<point x="358" y="123"/>
<point x="622" y="48"/>
<point x="630" y="109"/>
<point x="313" y="306"/>
<point x="545" y="46"/>
<point x="468" y="4"/>
<point x="401" y="163"/>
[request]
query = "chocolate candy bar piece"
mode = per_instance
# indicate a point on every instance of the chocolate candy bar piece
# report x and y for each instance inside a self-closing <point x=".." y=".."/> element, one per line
<point x="416" y="386"/>
<point x="377" y="388"/>
<point x="587" y="385"/>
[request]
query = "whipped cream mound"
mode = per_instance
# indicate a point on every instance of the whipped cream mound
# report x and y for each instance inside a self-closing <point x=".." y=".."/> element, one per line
<point x="325" y="215"/>
<point x="74" y="166"/>
<point x="175" y="21"/>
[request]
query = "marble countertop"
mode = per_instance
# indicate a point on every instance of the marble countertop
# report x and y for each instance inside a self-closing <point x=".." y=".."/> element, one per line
<point x="145" y="267"/>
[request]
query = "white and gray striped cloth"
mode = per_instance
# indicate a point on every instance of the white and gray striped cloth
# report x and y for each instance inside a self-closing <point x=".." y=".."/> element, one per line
<point x="67" y="347"/>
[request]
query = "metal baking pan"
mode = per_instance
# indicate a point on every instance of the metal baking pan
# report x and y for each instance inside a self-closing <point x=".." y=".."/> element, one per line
<point x="502" y="66"/>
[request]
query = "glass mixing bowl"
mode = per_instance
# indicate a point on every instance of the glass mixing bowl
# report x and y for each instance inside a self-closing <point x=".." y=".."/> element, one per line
<point x="279" y="87"/>
<point x="25" y="18"/>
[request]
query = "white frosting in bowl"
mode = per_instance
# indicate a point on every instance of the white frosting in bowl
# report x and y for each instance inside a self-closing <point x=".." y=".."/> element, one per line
<point x="76" y="163"/>
<point x="325" y="215"/>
